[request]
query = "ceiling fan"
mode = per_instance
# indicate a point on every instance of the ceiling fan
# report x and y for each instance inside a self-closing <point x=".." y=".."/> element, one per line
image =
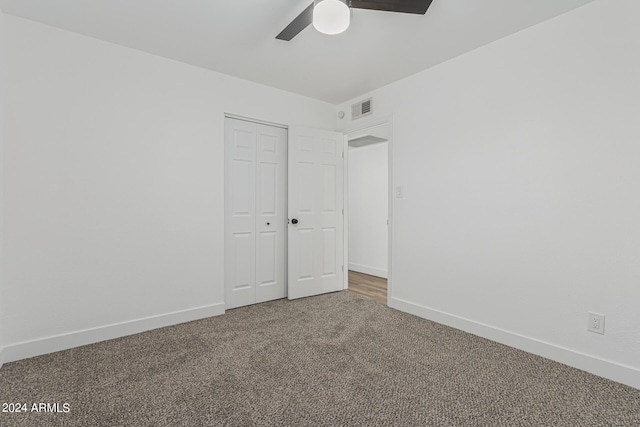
<point x="333" y="16"/>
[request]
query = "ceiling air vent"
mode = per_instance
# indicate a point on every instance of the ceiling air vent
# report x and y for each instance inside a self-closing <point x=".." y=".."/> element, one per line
<point x="361" y="109"/>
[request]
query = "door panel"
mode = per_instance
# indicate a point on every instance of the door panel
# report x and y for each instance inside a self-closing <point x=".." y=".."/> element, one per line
<point x="316" y="202"/>
<point x="243" y="191"/>
<point x="271" y="221"/>
<point x="328" y="189"/>
<point x="329" y="256"/>
<point x="303" y="256"/>
<point x="305" y="180"/>
<point x="240" y="221"/>
<point x="243" y="253"/>
<point x="255" y="212"/>
<point x="268" y="188"/>
<point x="266" y="266"/>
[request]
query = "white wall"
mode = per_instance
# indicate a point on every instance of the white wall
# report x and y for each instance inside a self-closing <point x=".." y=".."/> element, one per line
<point x="1" y="176"/>
<point x="113" y="204"/>
<point x="368" y="208"/>
<point x="519" y="163"/>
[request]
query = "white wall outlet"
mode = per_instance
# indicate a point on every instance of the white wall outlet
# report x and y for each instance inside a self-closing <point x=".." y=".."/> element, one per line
<point x="596" y="323"/>
<point x="399" y="192"/>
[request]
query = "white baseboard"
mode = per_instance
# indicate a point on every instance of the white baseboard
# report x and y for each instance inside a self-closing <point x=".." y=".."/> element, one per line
<point x="52" y="344"/>
<point x="378" y="272"/>
<point x="1" y="357"/>
<point x="605" y="368"/>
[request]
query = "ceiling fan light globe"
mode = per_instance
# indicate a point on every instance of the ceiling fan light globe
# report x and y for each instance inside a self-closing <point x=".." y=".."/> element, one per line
<point x="331" y="16"/>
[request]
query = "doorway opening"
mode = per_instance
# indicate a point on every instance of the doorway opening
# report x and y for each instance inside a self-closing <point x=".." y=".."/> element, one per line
<point x="368" y="211"/>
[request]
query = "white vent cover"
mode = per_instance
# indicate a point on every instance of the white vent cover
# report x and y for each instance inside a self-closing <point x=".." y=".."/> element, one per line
<point x="362" y="108"/>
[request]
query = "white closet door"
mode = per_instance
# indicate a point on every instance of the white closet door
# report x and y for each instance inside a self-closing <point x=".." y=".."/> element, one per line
<point x="255" y="212"/>
<point x="240" y="208"/>
<point x="271" y="213"/>
<point x="315" y="212"/>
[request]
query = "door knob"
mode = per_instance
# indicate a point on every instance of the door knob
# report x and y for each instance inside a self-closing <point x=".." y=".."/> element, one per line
<point x="294" y="221"/>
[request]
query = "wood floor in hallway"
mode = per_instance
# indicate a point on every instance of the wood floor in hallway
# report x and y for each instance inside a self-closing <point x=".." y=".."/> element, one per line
<point x="369" y="286"/>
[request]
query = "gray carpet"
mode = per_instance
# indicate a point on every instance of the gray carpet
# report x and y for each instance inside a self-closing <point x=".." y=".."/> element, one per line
<point x="337" y="359"/>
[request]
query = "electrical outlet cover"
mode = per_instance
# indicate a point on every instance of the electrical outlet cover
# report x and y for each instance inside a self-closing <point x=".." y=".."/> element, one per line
<point x="595" y="323"/>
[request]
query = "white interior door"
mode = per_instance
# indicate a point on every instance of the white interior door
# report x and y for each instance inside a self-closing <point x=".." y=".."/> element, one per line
<point x="255" y="212"/>
<point x="315" y="233"/>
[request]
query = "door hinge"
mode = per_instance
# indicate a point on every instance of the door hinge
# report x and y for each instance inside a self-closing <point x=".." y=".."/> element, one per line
<point x="343" y="268"/>
<point x="343" y="211"/>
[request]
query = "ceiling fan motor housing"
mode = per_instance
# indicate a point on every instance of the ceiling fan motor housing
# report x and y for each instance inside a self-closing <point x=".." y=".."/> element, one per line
<point x="331" y="16"/>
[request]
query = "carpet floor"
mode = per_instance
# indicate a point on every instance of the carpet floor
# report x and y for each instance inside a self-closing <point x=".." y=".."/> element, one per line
<point x="333" y="360"/>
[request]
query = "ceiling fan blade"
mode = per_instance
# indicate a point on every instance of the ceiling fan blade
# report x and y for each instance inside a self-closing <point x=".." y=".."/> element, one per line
<point x="305" y="18"/>
<point x="405" y="6"/>
<point x="301" y="22"/>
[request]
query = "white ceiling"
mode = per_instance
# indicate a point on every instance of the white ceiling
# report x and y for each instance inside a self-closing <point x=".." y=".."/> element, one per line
<point x="237" y="37"/>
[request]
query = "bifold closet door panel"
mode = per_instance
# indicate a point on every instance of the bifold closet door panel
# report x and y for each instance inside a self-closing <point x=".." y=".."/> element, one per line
<point x="271" y="213"/>
<point x="240" y="208"/>
<point x="255" y="212"/>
